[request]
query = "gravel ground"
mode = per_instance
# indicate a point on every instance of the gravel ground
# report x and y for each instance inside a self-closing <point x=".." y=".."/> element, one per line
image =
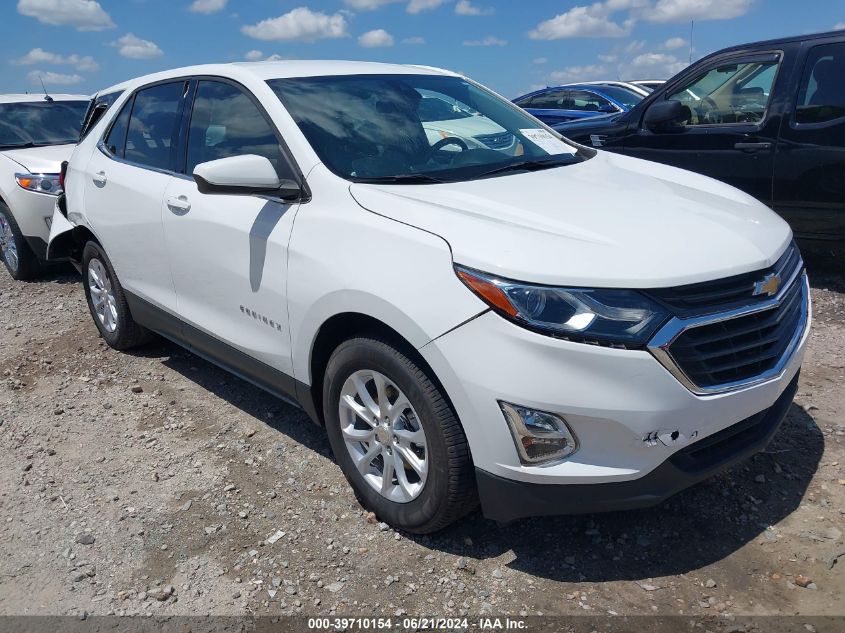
<point x="155" y="483"/>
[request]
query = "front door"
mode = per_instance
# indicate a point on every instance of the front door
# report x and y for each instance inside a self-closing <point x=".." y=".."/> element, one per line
<point x="810" y="164"/>
<point x="229" y="252"/>
<point x="730" y="130"/>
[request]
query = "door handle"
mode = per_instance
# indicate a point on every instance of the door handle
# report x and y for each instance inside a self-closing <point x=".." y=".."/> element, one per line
<point x="179" y="204"/>
<point x="753" y="147"/>
<point x="100" y="179"/>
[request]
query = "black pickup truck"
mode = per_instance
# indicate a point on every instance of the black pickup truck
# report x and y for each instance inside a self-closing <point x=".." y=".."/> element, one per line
<point x="768" y="118"/>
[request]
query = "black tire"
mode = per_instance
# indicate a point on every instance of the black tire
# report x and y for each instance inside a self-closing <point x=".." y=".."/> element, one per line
<point x="27" y="265"/>
<point x="450" y="490"/>
<point x="127" y="333"/>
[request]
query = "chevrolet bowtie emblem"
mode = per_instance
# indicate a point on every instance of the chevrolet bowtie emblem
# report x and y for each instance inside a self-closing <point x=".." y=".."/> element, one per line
<point x="768" y="285"/>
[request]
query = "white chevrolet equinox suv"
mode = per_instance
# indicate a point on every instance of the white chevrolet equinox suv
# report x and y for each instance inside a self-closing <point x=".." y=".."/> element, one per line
<point x="547" y="330"/>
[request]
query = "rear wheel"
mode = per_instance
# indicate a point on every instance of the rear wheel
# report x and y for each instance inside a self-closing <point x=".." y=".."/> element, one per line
<point x="17" y="256"/>
<point x="107" y="301"/>
<point x="396" y="438"/>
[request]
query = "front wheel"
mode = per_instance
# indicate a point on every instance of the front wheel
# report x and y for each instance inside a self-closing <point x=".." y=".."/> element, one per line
<point x="107" y="301"/>
<point x="17" y="256"/>
<point x="396" y="437"/>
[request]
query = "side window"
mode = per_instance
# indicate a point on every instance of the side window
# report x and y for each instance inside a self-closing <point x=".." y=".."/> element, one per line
<point x="588" y="101"/>
<point x="116" y="140"/>
<point x="733" y="92"/>
<point x="98" y="108"/>
<point x="551" y="100"/>
<point x="153" y="124"/>
<point x="225" y="122"/>
<point x="822" y="94"/>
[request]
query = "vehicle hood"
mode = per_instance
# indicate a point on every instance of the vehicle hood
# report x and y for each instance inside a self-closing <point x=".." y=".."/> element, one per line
<point x="469" y="126"/>
<point x="611" y="221"/>
<point x="41" y="160"/>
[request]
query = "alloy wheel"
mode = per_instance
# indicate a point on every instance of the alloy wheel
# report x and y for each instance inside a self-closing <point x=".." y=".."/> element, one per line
<point x="8" y="245"/>
<point x="102" y="295"/>
<point x="384" y="436"/>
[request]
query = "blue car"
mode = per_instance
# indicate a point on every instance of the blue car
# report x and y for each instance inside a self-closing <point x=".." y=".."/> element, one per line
<point x="578" y="101"/>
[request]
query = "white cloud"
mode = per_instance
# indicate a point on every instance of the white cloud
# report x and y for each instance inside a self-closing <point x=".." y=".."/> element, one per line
<point x="84" y="15"/>
<point x="465" y="7"/>
<point x="134" y="47"/>
<point x="375" y="39"/>
<point x="418" y="6"/>
<point x="579" y="73"/>
<point x="652" y="66"/>
<point x="840" y="26"/>
<point x="490" y="40"/>
<point x="595" y="20"/>
<point x="254" y="56"/>
<point x="414" y="40"/>
<point x="540" y="60"/>
<point x="207" y="6"/>
<point x="53" y="79"/>
<point x="675" y="42"/>
<point x="413" y="6"/>
<point x="368" y="5"/>
<point x="686" y="10"/>
<point x="300" y="24"/>
<point x="40" y="56"/>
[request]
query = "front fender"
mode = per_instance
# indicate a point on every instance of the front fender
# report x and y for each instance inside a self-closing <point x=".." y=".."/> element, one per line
<point x="61" y="242"/>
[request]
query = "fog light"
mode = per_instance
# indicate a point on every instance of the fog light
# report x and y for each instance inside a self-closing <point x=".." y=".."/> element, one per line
<point x="539" y="436"/>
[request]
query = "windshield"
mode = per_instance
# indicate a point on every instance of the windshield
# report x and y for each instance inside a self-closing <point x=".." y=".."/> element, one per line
<point x="41" y="123"/>
<point x="395" y="128"/>
<point x="626" y="97"/>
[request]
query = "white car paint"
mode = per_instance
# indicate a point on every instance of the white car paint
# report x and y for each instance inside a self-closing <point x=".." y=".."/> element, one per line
<point x="593" y="235"/>
<point x="232" y="263"/>
<point x="32" y="210"/>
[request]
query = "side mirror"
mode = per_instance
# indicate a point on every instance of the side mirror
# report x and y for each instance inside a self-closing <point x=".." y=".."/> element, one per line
<point x="607" y="107"/>
<point x="663" y="114"/>
<point x="245" y="175"/>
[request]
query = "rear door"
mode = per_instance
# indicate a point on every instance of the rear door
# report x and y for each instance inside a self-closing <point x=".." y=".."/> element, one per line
<point x="731" y="128"/>
<point x="809" y="188"/>
<point x="125" y="183"/>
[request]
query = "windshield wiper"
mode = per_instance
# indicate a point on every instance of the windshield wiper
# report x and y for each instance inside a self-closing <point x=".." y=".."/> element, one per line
<point x="526" y="165"/>
<point x="18" y="146"/>
<point x="409" y="179"/>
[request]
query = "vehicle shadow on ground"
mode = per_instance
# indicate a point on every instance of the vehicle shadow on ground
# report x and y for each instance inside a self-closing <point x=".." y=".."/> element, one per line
<point x="696" y="528"/>
<point x="264" y="407"/>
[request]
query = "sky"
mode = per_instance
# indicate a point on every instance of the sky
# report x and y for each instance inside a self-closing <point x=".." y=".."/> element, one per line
<point x="512" y="46"/>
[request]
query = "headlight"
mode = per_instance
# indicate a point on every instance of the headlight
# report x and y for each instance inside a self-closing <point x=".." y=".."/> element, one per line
<point x="42" y="183"/>
<point x="621" y="318"/>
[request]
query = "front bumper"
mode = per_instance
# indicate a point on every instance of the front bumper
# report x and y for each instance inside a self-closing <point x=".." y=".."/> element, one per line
<point x="33" y="212"/>
<point x="634" y="420"/>
<point x="506" y="500"/>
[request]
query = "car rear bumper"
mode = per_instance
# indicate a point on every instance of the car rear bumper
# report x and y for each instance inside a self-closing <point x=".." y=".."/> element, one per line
<point x="508" y="499"/>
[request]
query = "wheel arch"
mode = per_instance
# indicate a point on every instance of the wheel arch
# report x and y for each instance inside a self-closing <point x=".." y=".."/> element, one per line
<point x="344" y="326"/>
<point x="69" y="245"/>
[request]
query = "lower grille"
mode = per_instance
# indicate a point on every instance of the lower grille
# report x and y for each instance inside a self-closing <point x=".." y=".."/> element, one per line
<point x="725" y="445"/>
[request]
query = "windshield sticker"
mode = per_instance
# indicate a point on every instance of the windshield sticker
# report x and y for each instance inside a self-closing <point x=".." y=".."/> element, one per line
<point x="547" y="141"/>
